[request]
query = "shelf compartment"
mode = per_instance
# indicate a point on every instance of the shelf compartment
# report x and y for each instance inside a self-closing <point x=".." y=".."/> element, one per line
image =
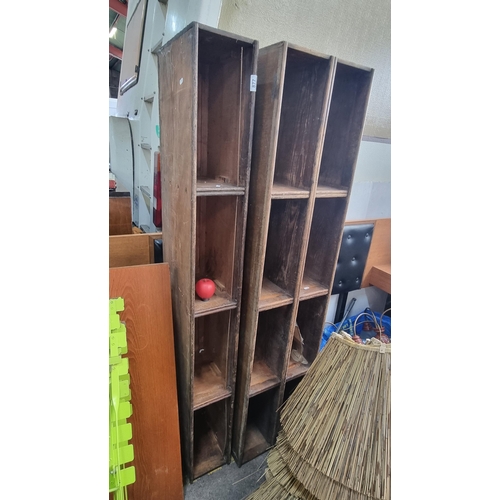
<point x="282" y="191"/>
<point x="323" y="191"/>
<point x="287" y="222"/>
<point x="351" y="89"/>
<point x="272" y="296"/>
<point x="217" y="187"/>
<point x="223" y="94"/>
<point x="324" y="243"/>
<point x="306" y="81"/>
<point x="216" y="221"/>
<point x="262" y="378"/>
<point x="220" y="301"/>
<point x="290" y="387"/>
<point x="211" y="363"/>
<point x="270" y="345"/>
<point x="210" y="437"/>
<point x="206" y="126"/>
<point x="310" y="319"/>
<point x="311" y="288"/>
<point x="261" y="423"/>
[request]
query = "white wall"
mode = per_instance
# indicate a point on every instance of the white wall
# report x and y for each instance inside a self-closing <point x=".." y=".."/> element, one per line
<point x="371" y="189"/>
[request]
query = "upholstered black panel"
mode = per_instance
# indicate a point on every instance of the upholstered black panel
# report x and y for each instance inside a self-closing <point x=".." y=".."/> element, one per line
<point x="158" y="244"/>
<point x="351" y="263"/>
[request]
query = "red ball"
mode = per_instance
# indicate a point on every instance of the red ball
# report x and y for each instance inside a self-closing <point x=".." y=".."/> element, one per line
<point x="205" y="288"/>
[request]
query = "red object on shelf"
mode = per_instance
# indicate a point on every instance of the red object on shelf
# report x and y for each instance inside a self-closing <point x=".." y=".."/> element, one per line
<point x="205" y="288"/>
<point x="157" y="192"/>
<point x="112" y="184"/>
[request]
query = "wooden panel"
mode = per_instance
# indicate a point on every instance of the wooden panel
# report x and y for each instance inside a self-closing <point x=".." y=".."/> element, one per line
<point x="120" y="215"/>
<point x="210" y="437"/>
<point x="216" y="218"/>
<point x="284" y="242"/>
<point x="155" y="420"/>
<point x="272" y="295"/>
<point x="345" y="125"/>
<point x="380" y="247"/>
<point x="131" y="250"/>
<point x="380" y="276"/>
<point x="324" y="239"/>
<point x="306" y="80"/>
<point x="178" y="121"/>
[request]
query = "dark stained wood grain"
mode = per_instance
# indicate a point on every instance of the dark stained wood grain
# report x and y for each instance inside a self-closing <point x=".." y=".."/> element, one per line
<point x="290" y="117"/>
<point x="310" y="319"/>
<point x="345" y="125"/>
<point x="324" y="239"/>
<point x="155" y="421"/>
<point x="178" y="84"/>
<point x="206" y="123"/>
<point x="266" y="121"/>
<point x="216" y="219"/>
<point x="284" y="242"/>
<point x="306" y="81"/>
<point x="261" y="423"/>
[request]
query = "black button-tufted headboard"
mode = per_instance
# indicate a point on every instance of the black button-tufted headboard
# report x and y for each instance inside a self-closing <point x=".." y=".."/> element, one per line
<point x="353" y="254"/>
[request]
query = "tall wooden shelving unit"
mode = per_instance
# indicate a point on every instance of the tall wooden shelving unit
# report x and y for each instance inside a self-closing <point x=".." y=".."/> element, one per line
<point x="309" y="117"/>
<point x="206" y="123"/>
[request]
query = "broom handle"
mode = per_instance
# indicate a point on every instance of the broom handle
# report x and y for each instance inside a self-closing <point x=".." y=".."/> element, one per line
<point x="346" y="314"/>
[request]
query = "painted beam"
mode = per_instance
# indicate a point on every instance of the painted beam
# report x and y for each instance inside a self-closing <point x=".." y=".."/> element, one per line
<point x="115" y="52"/>
<point x="118" y="7"/>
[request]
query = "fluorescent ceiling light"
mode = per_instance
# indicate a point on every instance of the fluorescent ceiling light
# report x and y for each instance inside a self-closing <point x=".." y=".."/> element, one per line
<point x="112" y="32"/>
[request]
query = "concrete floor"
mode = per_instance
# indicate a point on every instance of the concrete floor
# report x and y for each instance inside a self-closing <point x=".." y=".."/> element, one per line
<point x="229" y="482"/>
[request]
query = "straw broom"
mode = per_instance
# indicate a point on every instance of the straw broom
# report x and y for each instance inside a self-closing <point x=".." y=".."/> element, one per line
<point x="335" y="437"/>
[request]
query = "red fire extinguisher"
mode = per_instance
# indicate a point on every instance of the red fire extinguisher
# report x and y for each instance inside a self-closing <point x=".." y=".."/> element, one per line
<point x="157" y="192"/>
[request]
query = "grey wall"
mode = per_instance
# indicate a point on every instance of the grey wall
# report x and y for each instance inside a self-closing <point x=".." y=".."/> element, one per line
<point x="358" y="31"/>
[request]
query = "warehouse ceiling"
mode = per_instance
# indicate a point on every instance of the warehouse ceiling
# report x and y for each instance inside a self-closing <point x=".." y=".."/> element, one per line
<point x="117" y="23"/>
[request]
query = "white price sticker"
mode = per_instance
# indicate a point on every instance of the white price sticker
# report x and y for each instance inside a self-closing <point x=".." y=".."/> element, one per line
<point x="253" y="83"/>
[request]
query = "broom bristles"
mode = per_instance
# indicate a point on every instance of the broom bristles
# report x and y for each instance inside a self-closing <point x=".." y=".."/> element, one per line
<point x="335" y="437"/>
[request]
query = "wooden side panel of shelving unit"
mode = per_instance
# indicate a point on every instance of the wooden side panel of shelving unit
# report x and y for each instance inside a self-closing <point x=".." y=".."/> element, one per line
<point x="178" y="116"/>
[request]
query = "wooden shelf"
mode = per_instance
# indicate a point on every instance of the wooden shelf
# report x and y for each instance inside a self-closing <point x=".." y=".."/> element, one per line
<point x="323" y="191"/>
<point x="208" y="386"/>
<point x="272" y="296"/>
<point x="215" y="187"/>
<point x="311" y="288"/>
<point x="207" y="452"/>
<point x="380" y="276"/>
<point x="220" y="301"/>
<point x="282" y="191"/>
<point x="296" y="370"/>
<point x="262" y="378"/>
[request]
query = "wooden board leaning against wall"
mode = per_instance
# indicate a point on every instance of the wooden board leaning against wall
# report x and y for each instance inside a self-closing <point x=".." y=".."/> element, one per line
<point x="145" y="288"/>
